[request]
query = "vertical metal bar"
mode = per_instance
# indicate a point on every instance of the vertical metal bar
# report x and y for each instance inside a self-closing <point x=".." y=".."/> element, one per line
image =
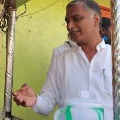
<point x="115" y="15"/>
<point x="9" y="63"/>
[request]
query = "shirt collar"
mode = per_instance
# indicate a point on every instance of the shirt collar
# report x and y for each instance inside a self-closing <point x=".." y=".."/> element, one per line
<point x="100" y="46"/>
<point x="72" y="43"/>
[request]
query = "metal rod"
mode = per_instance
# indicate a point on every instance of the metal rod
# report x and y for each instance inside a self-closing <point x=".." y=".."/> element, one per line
<point x="115" y="15"/>
<point x="9" y="63"/>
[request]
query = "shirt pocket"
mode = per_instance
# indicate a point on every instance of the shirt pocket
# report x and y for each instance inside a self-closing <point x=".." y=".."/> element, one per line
<point x="101" y="81"/>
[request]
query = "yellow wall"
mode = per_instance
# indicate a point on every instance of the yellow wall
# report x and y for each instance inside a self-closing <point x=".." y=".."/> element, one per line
<point x="37" y="32"/>
<point x="105" y="3"/>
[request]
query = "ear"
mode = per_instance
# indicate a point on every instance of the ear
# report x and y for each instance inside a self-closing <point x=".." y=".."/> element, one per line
<point x="97" y="20"/>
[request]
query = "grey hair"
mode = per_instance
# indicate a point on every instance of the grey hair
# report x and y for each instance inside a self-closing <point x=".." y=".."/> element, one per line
<point x="89" y="5"/>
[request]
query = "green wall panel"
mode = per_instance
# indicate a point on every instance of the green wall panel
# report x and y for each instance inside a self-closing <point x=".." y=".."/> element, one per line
<point x="40" y="30"/>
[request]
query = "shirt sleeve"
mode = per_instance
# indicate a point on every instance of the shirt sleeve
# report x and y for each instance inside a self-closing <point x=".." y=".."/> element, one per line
<point x="49" y="95"/>
<point x="42" y="107"/>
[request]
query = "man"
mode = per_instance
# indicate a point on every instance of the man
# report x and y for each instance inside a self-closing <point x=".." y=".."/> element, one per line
<point x="79" y="70"/>
<point x="106" y="30"/>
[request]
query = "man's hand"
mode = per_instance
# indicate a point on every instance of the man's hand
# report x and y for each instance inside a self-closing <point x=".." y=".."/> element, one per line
<point x="25" y="96"/>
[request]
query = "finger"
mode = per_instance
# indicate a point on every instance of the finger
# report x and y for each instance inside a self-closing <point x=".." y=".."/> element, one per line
<point x="25" y="87"/>
<point x="18" y="98"/>
<point x="17" y="102"/>
<point x="20" y="102"/>
<point x="15" y="93"/>
<point x="23" y="103"/>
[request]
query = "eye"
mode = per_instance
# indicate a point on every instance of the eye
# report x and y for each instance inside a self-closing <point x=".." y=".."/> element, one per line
<point x="77" y="19"/>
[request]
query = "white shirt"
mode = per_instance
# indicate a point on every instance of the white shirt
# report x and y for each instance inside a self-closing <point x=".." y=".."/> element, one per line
<point x="71" y="73"/>
<point x="67" y="45"/>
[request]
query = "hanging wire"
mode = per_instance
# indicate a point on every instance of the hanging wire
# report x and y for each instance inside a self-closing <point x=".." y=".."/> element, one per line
<point x="42" y="9"/>
<point x="3" y="22"/>
<point x="4" y="16"/>
<point x="22" y="13"/>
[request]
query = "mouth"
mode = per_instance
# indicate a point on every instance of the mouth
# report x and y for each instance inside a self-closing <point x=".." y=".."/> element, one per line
<point x="73" y="32"/>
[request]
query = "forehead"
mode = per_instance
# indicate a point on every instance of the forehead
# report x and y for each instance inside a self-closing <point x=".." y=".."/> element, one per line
<point x="78" y="9"/>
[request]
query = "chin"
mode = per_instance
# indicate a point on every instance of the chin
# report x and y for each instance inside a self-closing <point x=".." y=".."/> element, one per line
<point x="76" y="40"/>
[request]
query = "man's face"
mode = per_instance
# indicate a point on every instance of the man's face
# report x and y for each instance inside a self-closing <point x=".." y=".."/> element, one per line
<point x="80" y="23"/>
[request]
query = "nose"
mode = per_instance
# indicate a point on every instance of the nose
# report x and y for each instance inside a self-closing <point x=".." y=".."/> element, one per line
<point x="70" y="25"/>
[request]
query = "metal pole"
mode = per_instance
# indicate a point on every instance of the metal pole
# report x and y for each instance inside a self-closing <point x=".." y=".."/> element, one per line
<point x="9" y="63"/>
<point x="10" y="42"/>
<point x="10" y="7"/>
<point x="115" y="15"/>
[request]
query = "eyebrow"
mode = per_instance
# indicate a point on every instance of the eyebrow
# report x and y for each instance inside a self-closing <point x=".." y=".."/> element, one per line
<point x="74" y="16"/>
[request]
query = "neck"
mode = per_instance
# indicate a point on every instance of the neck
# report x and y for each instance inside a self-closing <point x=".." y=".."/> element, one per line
<point x="90" y="48"/>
